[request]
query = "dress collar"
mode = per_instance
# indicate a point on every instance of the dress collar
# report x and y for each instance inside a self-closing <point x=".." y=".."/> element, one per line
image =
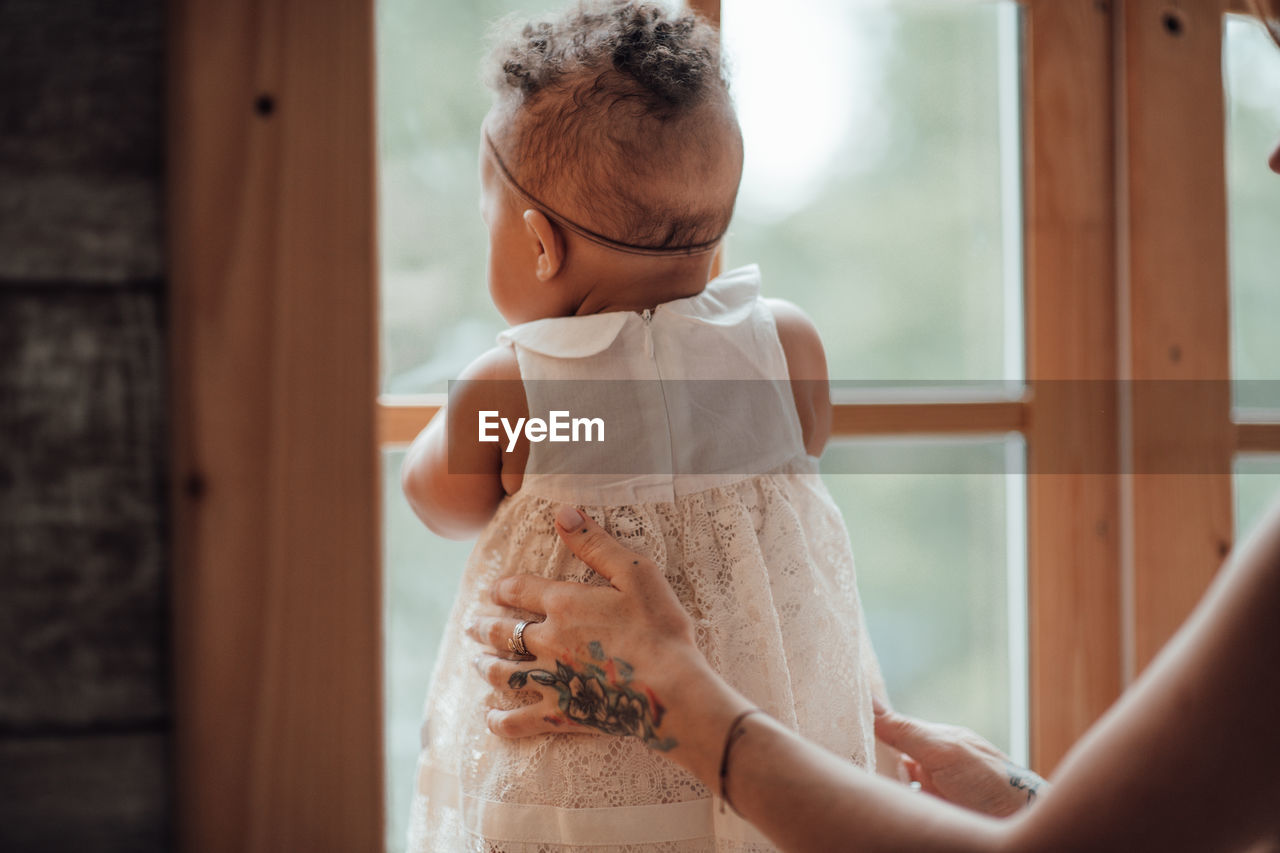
<point x="727" y="300"/>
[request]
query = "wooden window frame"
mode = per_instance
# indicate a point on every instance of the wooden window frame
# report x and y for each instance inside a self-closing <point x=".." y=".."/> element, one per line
<point x="276" y="582"/>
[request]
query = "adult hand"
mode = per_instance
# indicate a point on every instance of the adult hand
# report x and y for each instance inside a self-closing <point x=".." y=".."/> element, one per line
<point x="957" y="765"/>
<point x="604" y="657"/>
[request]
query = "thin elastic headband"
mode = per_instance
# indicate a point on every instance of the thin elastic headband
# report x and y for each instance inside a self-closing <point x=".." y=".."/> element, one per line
<point x="587" y="233"/>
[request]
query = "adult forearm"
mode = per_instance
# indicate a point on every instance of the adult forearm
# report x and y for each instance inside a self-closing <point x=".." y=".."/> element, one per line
<point x="806" y="799"/>
<point x="798" y="794"/>
<point x="1185" y="760"/>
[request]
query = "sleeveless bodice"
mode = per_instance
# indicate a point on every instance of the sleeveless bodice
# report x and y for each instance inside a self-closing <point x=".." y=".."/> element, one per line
<point x="692" y="394"/>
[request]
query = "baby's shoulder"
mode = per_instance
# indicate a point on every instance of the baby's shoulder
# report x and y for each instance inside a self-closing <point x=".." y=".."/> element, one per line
<point x="807" y="368"/>
<point x="491" y="381"/>
<point x="801" y="343"/>
<point x="496" y="364"/>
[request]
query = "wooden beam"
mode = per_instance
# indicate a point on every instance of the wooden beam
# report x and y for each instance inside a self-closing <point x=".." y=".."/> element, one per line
<point x="1174" y="304"/>
<point x="277" y="603"/>
<point x="1257" y="437"/>
<point x="935" y="418"/>
<point x="709" y="9"/>
<point x="400" y="421"/>
<point x="1074" y="525"/>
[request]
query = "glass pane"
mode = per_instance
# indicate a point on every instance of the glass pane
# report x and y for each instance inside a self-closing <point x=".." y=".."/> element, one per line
<point x="420" y="576"/>
<point x="882" y="184"/>
<point x="941" y="559"/>
<point x="1251" y="67"/>
<point x="1257" y="487"/>
<point x="436" y="314"/>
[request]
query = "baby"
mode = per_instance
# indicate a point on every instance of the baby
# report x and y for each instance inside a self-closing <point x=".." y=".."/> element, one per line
<point x="610" y="163"/>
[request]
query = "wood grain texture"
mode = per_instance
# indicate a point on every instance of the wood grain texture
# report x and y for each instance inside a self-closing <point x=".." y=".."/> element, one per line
<point x="1257" y="437"/>
<point x="276" y="579"/>
<point x="1073" y="518"/>
<point x="709" y="9"/>
<point x="105" y="793"/>
<point x="84" y="691"/>
<point x="81" y="140"/>
<point x="990" y="418"/>
<point x="1174" y="306"/>
<point x="400" y="422"/>
<point x="82" y="510"/>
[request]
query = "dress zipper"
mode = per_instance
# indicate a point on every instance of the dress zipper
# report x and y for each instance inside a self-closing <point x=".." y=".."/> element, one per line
<point x="647" y="316"/>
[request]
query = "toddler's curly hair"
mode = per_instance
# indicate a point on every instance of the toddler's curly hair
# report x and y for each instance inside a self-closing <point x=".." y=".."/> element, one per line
<point x="611" y="102"/>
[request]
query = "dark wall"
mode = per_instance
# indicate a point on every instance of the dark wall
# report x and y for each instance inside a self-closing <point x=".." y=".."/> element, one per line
<point x="84" y="705"/>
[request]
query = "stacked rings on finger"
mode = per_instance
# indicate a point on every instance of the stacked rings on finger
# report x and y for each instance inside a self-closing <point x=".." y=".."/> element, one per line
<point x="516" y="641"/>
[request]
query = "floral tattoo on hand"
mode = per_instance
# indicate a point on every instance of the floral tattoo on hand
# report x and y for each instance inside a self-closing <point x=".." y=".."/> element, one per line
<point x="599" y="693"/>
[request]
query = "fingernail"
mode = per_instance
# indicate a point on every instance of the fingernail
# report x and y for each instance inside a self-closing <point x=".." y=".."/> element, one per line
<point x="568" y="517"/>
<point x="876" y="705"/>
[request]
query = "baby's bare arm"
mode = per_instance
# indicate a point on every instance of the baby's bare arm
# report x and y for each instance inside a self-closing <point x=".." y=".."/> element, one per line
<point x="450" y="478"/>
<point x="807" y="366"/>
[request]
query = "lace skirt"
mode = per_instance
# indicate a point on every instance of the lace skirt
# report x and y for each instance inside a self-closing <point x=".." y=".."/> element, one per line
<point x="763" y="566"/>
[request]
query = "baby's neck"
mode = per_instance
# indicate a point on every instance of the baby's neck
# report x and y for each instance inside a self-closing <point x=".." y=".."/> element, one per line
<point x="645" y="288"/>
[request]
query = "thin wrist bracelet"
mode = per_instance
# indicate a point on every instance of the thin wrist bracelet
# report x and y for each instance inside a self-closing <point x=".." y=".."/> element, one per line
<point x="735" y="731"/>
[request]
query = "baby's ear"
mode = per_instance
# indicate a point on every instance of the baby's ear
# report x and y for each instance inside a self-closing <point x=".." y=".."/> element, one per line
<point x="547" y="242"/>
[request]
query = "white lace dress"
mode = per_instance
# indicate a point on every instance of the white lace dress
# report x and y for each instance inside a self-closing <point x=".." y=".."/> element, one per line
<point x="714" y="484"/>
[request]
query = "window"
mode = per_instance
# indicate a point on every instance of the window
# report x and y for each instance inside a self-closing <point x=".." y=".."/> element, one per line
<point x="1257" y="479"/>
<point x="939" y="527"/>
<point x="882" y="187"/>
<point x="274" y="358"/>
<point x="421" y="572"/>
<point x="882" y="192"/>
<point x="436" y="313"/>
<point x="893" y="214"/>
